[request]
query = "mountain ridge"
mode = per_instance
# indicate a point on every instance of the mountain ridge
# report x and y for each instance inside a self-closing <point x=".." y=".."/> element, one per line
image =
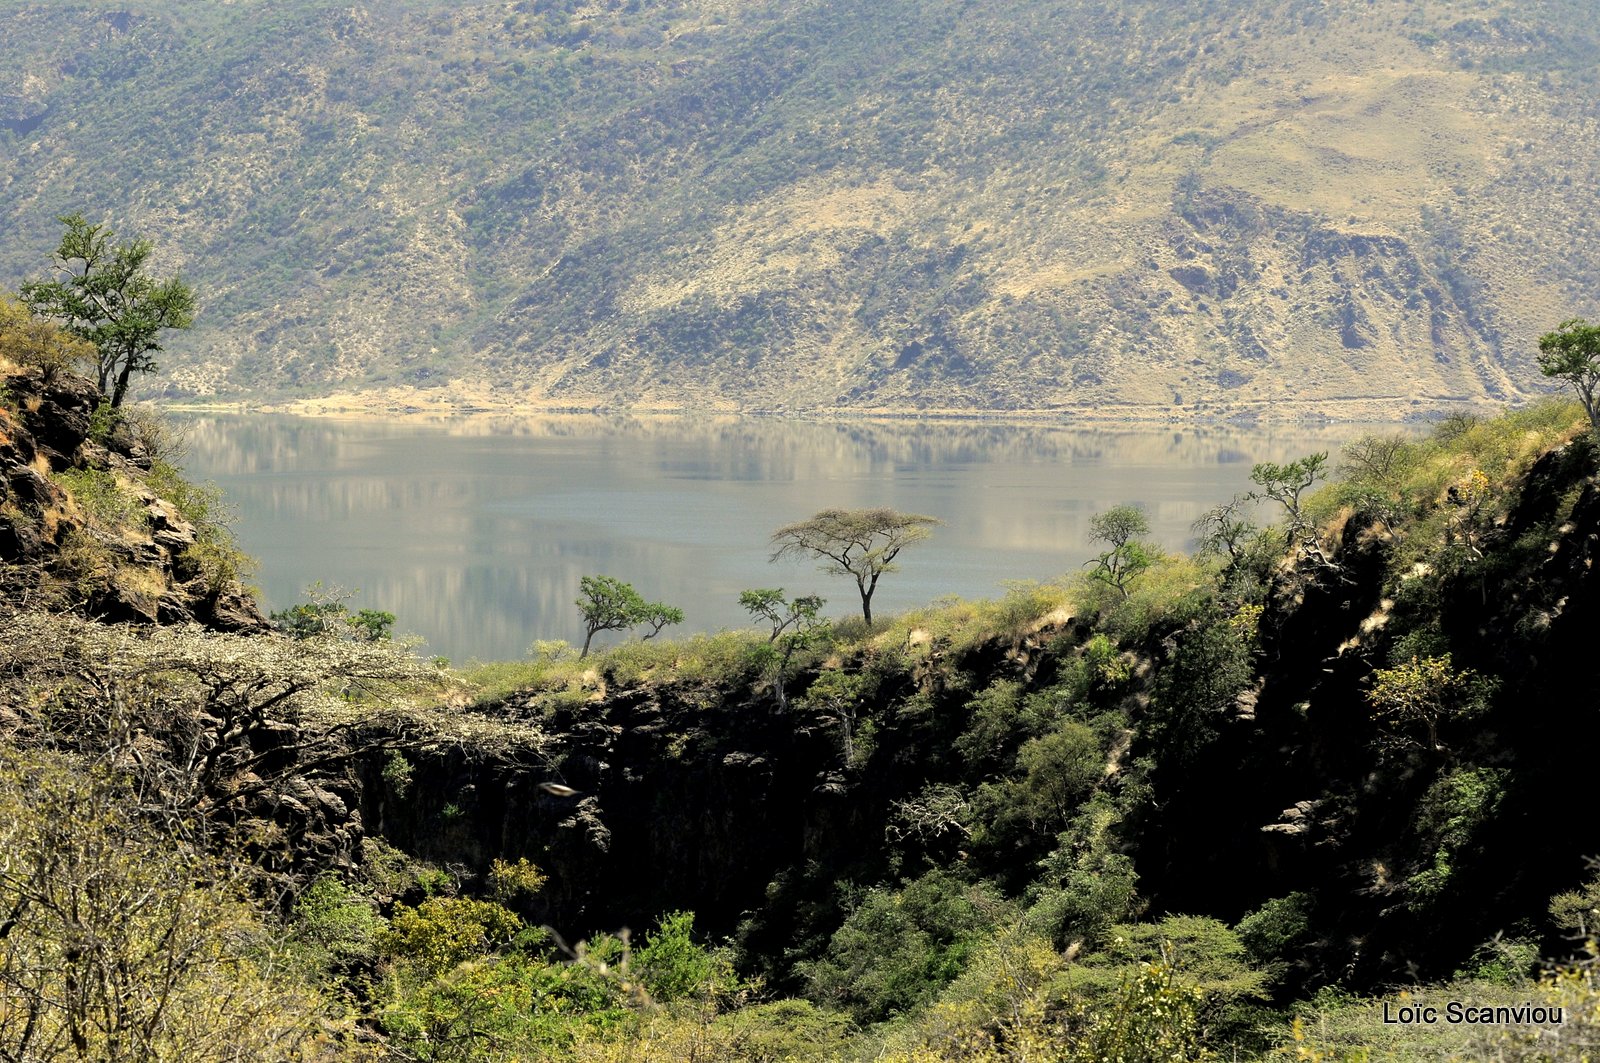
<point x="1215" y="207"/>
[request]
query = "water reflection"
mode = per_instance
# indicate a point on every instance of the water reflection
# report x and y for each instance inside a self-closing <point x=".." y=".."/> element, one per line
<point x="475" y="531"/>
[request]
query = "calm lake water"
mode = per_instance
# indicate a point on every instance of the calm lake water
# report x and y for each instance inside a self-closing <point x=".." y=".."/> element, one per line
<point x="475" y="532"/>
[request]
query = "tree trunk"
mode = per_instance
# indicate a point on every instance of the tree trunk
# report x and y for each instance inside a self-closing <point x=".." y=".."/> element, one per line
<point x="122" y="384"/>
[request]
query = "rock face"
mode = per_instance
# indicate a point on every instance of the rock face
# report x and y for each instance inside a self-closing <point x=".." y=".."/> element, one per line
<point x="53" y="551"/>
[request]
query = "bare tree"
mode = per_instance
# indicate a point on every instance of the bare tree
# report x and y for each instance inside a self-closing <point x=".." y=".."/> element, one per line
<point x="201" y="721"/>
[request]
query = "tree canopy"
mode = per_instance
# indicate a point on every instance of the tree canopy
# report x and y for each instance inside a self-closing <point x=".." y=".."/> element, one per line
<point x="860" y="543"/>
<point x="1120" y="527"/>
<point x="105" y="295"/>
<point x="795" y="625"/>
<point x="608" y="604"/>
<point x="1572" y="353"/>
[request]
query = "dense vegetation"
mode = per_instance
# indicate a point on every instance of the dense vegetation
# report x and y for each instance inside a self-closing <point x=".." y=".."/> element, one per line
<point x="1173" y="806"/>
<point x="872" y="203"/>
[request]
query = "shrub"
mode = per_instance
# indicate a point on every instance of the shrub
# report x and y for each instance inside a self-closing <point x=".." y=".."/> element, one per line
<point x="108" y="504"/>
<point x="124" y="943"/>
<point x="672" y="966"/>
<point x="444" y="931"/>
<point x="336" y="924"/>
<point x="898" y="948"/>
<point x="1279" y="926"/>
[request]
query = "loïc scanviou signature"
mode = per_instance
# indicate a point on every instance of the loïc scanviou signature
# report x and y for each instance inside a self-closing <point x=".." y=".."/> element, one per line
<point x="1459" y="1013"/>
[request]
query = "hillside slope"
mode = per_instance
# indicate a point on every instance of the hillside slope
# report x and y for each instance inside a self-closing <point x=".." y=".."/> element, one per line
<point x="1358" y="206"/>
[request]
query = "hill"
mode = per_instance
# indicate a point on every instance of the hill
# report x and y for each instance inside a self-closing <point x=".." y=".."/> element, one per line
<point x="864" y="204"/>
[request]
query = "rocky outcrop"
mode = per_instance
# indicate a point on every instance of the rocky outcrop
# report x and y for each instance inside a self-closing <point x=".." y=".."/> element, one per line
<point x="146" y="569"/>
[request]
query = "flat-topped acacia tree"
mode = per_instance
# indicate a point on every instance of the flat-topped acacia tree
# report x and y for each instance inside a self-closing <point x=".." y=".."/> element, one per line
<point x="860" y="543"/>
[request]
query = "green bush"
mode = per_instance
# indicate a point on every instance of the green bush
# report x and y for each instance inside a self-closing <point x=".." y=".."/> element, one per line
<point x="898" y="948"/>
<point x="335" y="924"/>
<point x="672" y="966"/>
<point x="501" y="1008"/>
<point x="444" y="931"/>
<point x="1272" y="932"/>
<point x="103" y="498"/>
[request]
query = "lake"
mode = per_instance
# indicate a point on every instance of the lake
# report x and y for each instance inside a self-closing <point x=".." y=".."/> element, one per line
<point x="476" y="531"/>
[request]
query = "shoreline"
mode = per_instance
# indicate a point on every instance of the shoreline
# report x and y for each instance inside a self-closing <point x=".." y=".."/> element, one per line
<point x="408" y="404"/>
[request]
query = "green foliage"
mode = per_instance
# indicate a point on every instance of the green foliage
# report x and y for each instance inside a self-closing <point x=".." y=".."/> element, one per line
<point x="1572" y="353"/>
<point x="1173" y="590"/>
<point x="101" y="422"/>
<point x="795" y="627"/>
<point x="499" y="1008"/>
<point x="1414" y="699"/>
<point x="673" y="967"/>
<point x="444" y="931"/>
<point x="1285" y="485"/>
<point x="1273" y="931"/>
<point x="1197" y="691"/>
<point x="1120" y="527"/>
<point x="1154" y="1018"/>
<point x="1577" y="912"/>
<point x="608" y="604"/>
<point x="33" y="343"/>
<point x="859" y="543"/>
<point x="509" y="882"/>
<point x="214" y="556"/>
<point x="899" y="947"/>
<point x="124" y="943"/>
<point x="1449" y="817"/>
<point x="326" y="614"/>
<point x="1205" y="949"/>
<point x="992" y="732"/>
<point x="108" y="503"/>
<point x="1087" y="884"/>
<point x="337" y="925"/>
<point x="788" y="1029"/>
<point x="108" y="298"/>
<point x="397" y="773"/>
<point x="1057" y="772"/>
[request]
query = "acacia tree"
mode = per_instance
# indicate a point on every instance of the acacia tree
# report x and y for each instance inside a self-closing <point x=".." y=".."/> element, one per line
<point x="1285" y="484"/>
<point x="608" y="604"/>
<point x="859" y="543"/>
<point x="105" y="295"/>
<point x="1572" y="353"/>
<point x="1120" y="528"/>
<point x="31" y="341"/>
<point x="795" y="625"/>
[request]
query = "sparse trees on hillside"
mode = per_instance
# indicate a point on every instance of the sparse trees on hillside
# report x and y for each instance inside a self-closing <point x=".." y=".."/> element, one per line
<point x="859" y="543"/>
<point x="106" y="296"/>
<point x="1572" y="353"/>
